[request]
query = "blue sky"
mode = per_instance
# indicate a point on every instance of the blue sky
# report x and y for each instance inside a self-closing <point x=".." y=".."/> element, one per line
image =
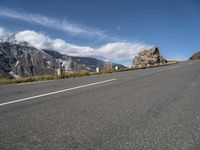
<point x="106" y="26"/>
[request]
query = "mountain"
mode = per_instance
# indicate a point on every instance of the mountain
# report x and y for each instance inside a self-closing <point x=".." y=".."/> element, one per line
<point x="148" y="58"/>
<point x="195" y="56"/>
<point x="22" y="60"/>
<point x="81" y="63"/>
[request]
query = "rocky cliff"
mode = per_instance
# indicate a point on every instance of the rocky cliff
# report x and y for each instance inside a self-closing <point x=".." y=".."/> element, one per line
<point x="196" y="56"/>
<point x="17" y="60"/>
<point x="149" y="58"/>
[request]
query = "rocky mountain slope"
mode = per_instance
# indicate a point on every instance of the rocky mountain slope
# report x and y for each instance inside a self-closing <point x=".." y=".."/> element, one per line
<point x="148" y="58"/>
<point x="81" y="63"/>
<point x="21" y="60"/>
<point x="196" y="56"/>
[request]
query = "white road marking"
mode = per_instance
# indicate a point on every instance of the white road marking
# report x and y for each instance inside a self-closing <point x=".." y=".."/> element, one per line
<point x="56" y="92"/>
<point x="174" y="67"/>
<point x="34" y="82"/>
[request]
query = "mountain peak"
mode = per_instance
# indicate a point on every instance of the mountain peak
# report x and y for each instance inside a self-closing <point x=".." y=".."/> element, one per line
<point x="21" y="38"/>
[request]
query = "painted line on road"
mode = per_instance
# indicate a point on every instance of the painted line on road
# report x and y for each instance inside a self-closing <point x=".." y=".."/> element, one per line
<point x="56" y="92"/>
<point x="174" y="67"/>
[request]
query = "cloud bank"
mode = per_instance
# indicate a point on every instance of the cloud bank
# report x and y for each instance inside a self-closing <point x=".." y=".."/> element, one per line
<point x="53" y="23"/>
<point x="115" y="51"/>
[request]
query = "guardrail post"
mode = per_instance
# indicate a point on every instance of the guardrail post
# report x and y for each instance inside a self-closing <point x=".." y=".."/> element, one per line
<point x="116" y="68"/>
<point x="97" y="70"/>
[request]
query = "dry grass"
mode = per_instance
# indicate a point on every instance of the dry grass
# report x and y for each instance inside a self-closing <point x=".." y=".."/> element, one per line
<point x="66" y="75"/>
<point x="45" y="77"/>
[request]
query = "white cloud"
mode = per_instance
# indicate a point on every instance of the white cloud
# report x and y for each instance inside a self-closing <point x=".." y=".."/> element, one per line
<point x="65" y="25"/>
<point x="119" y="51"/>
<point x="42" y="41"/>
<point x="4" y="33"/>
<point x="116" y="51"/>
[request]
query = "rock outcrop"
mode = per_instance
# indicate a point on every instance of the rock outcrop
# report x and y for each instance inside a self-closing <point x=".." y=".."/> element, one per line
<point x="149" y="57"/>
<point x="196" y="56"/>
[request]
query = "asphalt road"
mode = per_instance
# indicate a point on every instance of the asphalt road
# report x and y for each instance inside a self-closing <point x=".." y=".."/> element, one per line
<point x="157" y="108"/>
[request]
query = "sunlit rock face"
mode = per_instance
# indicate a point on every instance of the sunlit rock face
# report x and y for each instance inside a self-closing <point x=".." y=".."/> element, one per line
<point x="148" y="58"/>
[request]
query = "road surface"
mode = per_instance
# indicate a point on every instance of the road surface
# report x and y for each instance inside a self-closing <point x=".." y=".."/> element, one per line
<point x="155" y="108"/>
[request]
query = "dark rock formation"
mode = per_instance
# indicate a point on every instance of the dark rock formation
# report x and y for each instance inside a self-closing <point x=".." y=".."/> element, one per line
<point x="196" y="56"/>
<point x="17" y="60"/>
<point x="23" y="61"/>
<point x="149" y="58"/>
